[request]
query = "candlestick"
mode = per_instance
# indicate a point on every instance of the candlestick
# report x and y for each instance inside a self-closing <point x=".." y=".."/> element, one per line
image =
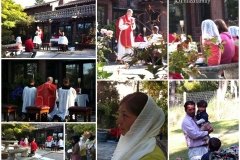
<point x="182" y="25"/>
<point x="144" y="31"/>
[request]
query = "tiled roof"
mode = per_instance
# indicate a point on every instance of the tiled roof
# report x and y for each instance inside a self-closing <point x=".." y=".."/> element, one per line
<point x="40" y="5"/>
<point x="75" y="3"/>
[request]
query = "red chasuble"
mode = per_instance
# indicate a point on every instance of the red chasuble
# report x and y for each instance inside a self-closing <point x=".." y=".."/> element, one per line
<point x="125" y="36"/>
<point x="46" y="95"/>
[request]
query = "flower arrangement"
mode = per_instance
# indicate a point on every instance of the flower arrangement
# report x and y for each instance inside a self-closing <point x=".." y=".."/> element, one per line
<point x="104" y="40"/>
<point x="17" y="92"/>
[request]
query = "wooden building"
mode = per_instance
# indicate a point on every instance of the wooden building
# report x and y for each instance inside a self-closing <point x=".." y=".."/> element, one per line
<point x="74" y="17"/>
<point x="194" y="13"/>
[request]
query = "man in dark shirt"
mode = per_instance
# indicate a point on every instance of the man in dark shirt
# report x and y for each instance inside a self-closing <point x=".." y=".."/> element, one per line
<point x="29" y="46"/>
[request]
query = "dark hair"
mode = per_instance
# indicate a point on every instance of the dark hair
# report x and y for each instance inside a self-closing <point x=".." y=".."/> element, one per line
<point x="188" y="103"/>
<point x="202" y="103"/>
<point x="75" y="139"/>
<point x="135" y="102"/>
<point x="221" y="25"/>
<point x="214" y="144"/>
<point x="31" y="80"/>
<point x="66" y="81"/>
<point x="29" y="37"/>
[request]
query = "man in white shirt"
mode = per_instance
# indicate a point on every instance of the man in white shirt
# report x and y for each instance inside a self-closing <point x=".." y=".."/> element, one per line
<point x="62" y="42"/>
<point x="28" y="96"/>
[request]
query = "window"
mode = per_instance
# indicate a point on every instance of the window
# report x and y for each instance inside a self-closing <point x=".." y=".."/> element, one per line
<point x="72" y="72"/>
<point x="102" y="15"/>
<point x="89" y="79"/>
<point x="24" y="70"/>
<point x="231" y="11"/>
<point x="83" y="28"/>
<point x="175" y="14"/>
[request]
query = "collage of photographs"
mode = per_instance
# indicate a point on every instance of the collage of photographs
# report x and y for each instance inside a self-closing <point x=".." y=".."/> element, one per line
<point x="120" y="80"/>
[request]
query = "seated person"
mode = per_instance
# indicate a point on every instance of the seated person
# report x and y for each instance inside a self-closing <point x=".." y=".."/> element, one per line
<point x="173" y="38"/>
<point x="60" y="143"/>
<point x="66" y="98"/>
<point x="213" y="145"/>
<point x="139" y="38"/>
<point x="62" y="41"/>
<point x="155" y="36"/>
<point x="37" y="41"/>
<point x="29" y="47"/>
<point x="234" y="31"/>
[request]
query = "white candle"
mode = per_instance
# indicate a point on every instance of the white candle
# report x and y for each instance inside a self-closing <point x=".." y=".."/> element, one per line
<point x="79" y="80"/>
<point x="56" y="81"/>
<point x="144" y="29"/>
<point x="181" y="23"/>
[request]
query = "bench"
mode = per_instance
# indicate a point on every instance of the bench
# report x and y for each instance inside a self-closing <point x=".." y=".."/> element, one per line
<point x="47" y="45"/>
<point x="54" y="148"/>
<point x="62" y="47"/>
<point x="230" y="71"/>
<point x="38" y="111"/>
<point x="41" y="146"/>
<point x="77" y="110"/>
<point x="7" y="109"/>
<point x="13" y="152"/>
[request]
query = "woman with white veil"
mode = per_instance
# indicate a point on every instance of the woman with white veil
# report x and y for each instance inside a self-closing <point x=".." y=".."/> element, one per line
<point x="140" y="120"/>
<point x="234" y="31"/>
<point x="209" y="31"/>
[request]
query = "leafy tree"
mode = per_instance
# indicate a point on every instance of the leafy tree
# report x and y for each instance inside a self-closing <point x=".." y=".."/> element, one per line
<point x="196" y="86"/>
<point x="12" y="14"/>
<point x="39" y="2"/>
<point x="158" y="90"/>
<point x="16" y="131"/>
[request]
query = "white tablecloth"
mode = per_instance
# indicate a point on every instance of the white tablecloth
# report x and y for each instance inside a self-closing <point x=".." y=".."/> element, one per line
<point x="53" y="40"/>
<point x="173" y="46"/>
<point x="81" y="99"/>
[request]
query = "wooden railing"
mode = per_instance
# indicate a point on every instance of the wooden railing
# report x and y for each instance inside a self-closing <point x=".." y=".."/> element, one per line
<point x="79" y="11"/>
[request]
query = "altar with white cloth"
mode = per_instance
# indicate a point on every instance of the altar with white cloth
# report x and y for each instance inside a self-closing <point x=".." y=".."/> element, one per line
<point x="81" y="100"/>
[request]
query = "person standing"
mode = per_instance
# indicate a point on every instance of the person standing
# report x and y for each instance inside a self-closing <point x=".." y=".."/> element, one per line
<point x="28" y="96"/>
<point x="33" y="147"/>
<point x="39" y="32"/>
<point x="63" y="42"/>
<point x="194" y="137"/>
<point x="125" y="38"/>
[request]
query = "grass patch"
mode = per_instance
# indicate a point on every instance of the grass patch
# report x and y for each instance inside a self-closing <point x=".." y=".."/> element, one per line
<point x="226" y="131"/>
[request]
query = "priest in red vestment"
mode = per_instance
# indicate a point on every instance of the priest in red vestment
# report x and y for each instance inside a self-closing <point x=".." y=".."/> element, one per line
<point x="39" y="32"/>
<point x="46" y="95"/>
<point x="125" y="40"/>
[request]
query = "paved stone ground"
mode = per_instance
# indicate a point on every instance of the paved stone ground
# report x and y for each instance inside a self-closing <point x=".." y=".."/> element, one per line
<point x="105" y="149"/>
<point x="46" y="154"/>
<point x="54" y="53"/>
<point x="120" y="73"/>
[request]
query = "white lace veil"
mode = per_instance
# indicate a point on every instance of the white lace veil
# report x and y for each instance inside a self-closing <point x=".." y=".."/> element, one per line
<point x="140" y="139"/>
<point x="210" y="30"/>
<point x="234" y="30"/>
